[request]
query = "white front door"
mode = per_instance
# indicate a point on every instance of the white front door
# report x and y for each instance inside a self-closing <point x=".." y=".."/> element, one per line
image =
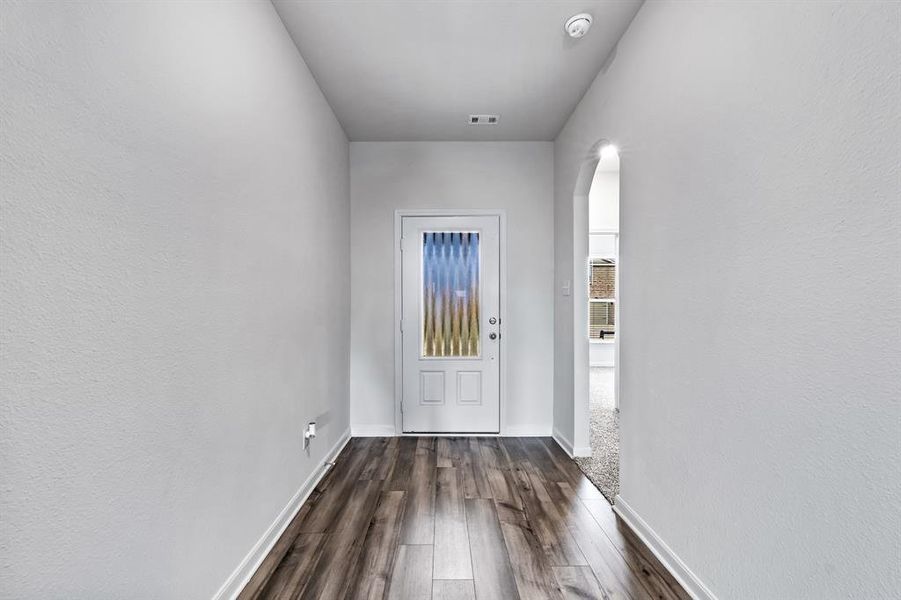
<point x="450" y="324"/>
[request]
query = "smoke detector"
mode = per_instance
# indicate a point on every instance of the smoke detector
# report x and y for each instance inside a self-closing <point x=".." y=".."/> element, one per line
<point x="577" y="26"/>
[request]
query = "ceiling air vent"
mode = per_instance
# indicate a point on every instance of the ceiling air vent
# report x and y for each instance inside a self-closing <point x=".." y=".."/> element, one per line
<point x="484" y="119"/>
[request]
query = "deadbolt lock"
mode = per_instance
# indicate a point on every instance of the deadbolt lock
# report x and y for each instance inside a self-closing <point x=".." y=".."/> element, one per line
<point x="492" y="320"/>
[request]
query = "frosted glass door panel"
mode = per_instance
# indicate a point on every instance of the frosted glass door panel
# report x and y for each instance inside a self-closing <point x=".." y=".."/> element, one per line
<point x="450" y="294"/>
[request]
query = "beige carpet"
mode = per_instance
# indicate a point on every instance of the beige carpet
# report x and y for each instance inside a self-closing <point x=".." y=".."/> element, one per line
<point x="602" y="467"/>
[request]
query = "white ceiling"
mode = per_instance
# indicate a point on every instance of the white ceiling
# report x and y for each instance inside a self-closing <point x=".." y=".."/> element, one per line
<point x="415" y="70"/>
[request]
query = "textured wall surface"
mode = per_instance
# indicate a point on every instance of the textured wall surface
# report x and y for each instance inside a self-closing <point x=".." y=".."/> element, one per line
<point x="174" y="292"/>
<point x="516" y="176"/>
<point x="760" y="153"/>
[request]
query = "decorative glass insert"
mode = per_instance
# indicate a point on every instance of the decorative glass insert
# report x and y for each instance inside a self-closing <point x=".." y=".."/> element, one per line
<point x="450" y="294"/>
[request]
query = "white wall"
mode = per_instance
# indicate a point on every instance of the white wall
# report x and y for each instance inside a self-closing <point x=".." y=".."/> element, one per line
<point x="602" y="245"/>
<point x="601" y="354"/>
<point x="760" y="147"/>
<point x="516" y="176"/>
<point x="174" y="294"/>
<point x="603" y="201"/>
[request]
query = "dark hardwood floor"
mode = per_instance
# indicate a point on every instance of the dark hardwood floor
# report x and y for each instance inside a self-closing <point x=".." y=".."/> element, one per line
<point x="458" y="518"/>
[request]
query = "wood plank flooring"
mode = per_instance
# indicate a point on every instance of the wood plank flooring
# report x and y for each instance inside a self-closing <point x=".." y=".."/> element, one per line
<point x="448" y="518"/>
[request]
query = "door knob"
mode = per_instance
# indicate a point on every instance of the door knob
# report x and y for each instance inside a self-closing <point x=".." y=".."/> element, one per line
<point x="492" y="336"/>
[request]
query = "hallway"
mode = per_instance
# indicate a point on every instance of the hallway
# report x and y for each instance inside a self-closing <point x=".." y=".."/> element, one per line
<point x="251" y="249"/>
<point x="458" y="518"/>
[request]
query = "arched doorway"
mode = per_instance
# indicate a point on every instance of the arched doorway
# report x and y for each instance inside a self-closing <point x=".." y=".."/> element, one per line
<point x="596" y="309"/>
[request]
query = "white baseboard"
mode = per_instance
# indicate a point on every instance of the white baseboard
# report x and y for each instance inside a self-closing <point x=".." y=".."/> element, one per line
<point x="563" y="442"/>
<point x="373" y="431"/>
<point x="692" y="584"/>
<point x="239" y="578"/>
<point x="526" y="431"/>
<point x="572" y="452"/>
<point x="509" y="431"/>
<point x="581" y="451"/>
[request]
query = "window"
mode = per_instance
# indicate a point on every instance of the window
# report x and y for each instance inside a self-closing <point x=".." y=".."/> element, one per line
<point x="450" y="294"/>
<point x="601" y="294"/>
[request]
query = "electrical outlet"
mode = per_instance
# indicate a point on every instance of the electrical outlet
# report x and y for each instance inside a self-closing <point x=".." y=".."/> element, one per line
<point x="309" y="433"/>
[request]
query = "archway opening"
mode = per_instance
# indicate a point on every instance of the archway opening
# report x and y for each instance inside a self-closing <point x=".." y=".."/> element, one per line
<point x="596" y="336"/>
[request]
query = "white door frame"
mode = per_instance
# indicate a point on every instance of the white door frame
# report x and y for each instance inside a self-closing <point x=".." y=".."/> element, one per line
<point x="398" y="314"/>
